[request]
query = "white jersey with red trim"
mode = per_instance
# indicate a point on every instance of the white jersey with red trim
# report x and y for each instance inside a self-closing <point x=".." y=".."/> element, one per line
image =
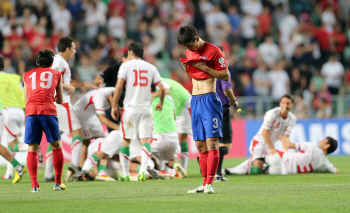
<point x="277" y="125"/>
<point x="138" y="75"/>
<point x="62" y="66"/>
<point x="95" y="101"/>
<point x="309" y="159"/>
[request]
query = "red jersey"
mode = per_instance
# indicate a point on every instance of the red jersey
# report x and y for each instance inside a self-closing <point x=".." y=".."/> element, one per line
<point x="211" y="55"/>
<point x="41" y="86"/>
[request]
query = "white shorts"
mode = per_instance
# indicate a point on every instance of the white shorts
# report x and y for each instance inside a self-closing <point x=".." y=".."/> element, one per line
<point x="274" y="162"/>
<point x="164" y="146"/>
<point x="92" y="127"/>
<point x="94" y="146"/>
<point x="258" y="148"/>
<point x="1" y="122"/>
<point x="183" y="121"/>
<point x="136" y="125"/>
<point x="135" y="149"/>
<point x="67" y="118"/>
<point x="112" y="143"/>
<point x="13" y="122"/>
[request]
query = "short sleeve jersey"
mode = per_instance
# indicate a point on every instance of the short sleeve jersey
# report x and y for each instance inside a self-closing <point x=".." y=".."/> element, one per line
<point x="164" y="120"/>
<point x="138" y="75"/>
<point x="310" y="158"/>
<point x="95" y="101"/>
<point x="211" y="55"/>
<point x="41" y="86"/>
<point x="62" y="66"/>
<point x="277" y="125"/>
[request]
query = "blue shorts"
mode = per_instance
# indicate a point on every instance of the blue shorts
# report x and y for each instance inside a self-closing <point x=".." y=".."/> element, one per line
<point x="206" y="116"/>
<point x="36" y="124"/>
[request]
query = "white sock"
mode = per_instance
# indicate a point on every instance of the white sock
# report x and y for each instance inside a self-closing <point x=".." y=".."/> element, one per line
<point x="90" y="162"/>
<point x="145" y="156"/>
<point x="113" y="165"/>
<point x="124" y="161"/>
<point x="9" y="170"/>
<point x="184" y="160"/>
<point x="241" y="169"/>
<point x="49" y="166"/>
<point x="23" y="147"/>
<point x="76" y="150"/>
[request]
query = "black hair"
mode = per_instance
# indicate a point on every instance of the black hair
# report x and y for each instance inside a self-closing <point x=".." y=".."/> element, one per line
<point x="290" y="97"/>
<point x="137" y="48"/>
<point x="64" y="43"/>
<point x="44" y="58"/>
<point x="126" y="54"/>
<point x="1" y="63"/>
<point x="186" y="34"/>
<point x="333" y="145"/>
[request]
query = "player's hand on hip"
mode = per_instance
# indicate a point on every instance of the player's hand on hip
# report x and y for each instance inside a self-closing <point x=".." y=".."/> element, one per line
<point x="159" y="107"/>
<point x="71" y="89"/>
<point x="115" y="113"/>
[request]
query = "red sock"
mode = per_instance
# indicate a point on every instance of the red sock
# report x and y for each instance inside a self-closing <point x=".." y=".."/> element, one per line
<point x="203" y="158"/>
<point x="32" y="168"/>
<point x="213" y="162"/>
<point x="58" y="163"/>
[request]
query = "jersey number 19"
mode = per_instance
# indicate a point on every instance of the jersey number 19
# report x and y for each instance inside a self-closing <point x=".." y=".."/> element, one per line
<point x="45" y="78"/>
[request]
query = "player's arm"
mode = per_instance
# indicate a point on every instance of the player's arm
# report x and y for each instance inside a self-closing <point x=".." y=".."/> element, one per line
<point x="166" y="90"/>
<point x="116" y="96"/>
<point x="59" y="92"/>
<point x="69" y="88"/>
<point x="231" y="96"/>
<point x="220" y="74"/>
<point x="286" y="143"/>
<point x="161" y="95"/>
<point x="25" y="92"/>
<point x="98" y="81"/>
<point x="107" y="122"/>
<point x="79" y="84"/>
<point x="266" y="136"/>
<point x="184" y="66"/>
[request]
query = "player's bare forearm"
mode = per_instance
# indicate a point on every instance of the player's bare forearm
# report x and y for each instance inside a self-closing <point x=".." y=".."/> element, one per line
<point x="69" y="88"/>
<point x="220" y="74"/>
<point x="118" y="91"/>
<point x="25" y="91"/>
<point x="79" y="84"/>
<point x="286" y="143"/>
<point x="161" y="93"/>
<point x="231" y="96"/>
<point x="157" y="93"/>
<point x="59" y="92"/>
<point x="265" y="134"/>
<point x="107" y="122"/>
<point x="184" y="66"/>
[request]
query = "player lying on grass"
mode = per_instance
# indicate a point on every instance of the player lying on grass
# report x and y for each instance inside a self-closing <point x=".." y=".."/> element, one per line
<point x="102" y="152"/>
<point x="20" y="170"/>
<point x="40" y="86"/>
<point x="308" y="158"/>
<point x="204" y="63"/>
<point x="165" y="141"/>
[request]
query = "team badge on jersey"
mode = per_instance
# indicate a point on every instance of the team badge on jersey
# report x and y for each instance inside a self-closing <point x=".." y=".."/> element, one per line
<point x="222" y="61"/>
<point x="204" y="57"/>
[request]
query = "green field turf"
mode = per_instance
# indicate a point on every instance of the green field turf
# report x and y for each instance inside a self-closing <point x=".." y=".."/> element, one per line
<point x="264" y="193"/>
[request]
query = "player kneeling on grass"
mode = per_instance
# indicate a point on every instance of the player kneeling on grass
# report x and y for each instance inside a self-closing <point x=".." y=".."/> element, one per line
<point x="20" y="170"/>
<point x="310" y="158"/>
<point x="40" y="85"/>
<point x="166" y="138"/>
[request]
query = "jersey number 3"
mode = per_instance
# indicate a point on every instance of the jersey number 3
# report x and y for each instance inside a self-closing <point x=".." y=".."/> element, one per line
<point x="45" y="80"/>
<point x="143" y="79"/>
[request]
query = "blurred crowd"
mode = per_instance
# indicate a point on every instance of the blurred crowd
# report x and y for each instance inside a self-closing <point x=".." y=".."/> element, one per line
<point x="272" y="47"/>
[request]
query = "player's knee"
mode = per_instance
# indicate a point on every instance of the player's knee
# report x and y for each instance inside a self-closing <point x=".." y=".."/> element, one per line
<point x="258" y="163"/>
<point x="86" y="142"/>
<point x="212" y="144"/>
<point x="33" y="147"/>
<point x="55" y="145"/>
<point x="201" y="146"/>
<point x="100" y="155"/>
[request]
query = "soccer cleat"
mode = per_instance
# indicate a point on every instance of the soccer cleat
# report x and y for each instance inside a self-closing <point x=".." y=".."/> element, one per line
<point x="209" y="189"/>
<point x="41" y="157"/>
<point x="49" y="179"/>
<point x="153" y="173"/>
<point x="225" y="172"/>
<point x="165" y="175"/>
<point x="180" y="170"/>
<point x="126" y="179"/>
<point x="219" y="178"/>
<point x="104" y="178"/>
<point x="142" y="177"/>
<point x="197" y="190"/>
<point x="5" y="177"/>
<point x="59" y="187"/>
<point x="71" y="171"/>
<point x="79" y="176"/>
<point x="36" y="189"/>
<point x="19" y="172"/>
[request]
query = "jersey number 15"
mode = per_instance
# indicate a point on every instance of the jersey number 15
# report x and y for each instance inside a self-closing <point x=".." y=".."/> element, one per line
<point x="143" y="79"/>
<point x="45" y="78"/>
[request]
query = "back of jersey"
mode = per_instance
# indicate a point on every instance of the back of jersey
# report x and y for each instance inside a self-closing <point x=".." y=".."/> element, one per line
<point x="41" y="85"/>
<point x="138" y="75"/>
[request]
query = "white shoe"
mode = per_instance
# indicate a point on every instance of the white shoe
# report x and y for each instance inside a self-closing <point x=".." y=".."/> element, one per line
<point x="59" y="187"/>
<point x="179" y="169"/>
<point x="209" y="189"/>
<point x="104" y="178"/>
<point x="198" y="190"/>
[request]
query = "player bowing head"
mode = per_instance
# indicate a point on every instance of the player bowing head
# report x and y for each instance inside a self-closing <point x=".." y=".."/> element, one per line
<point x="44" y="58"/>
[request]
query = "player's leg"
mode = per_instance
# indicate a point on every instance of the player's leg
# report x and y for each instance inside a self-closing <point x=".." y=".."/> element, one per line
<point x="49" y="177"/>
<point x="124" y="159"/>
<point x="184" y="128"/>
<point x="241" y="169"/>
<point x="20" y="170"/>
<point x="258" y="153"/>
<point x="145" y="127"/>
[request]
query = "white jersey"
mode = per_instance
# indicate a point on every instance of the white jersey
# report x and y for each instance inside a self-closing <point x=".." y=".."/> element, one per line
<point x="138" y="75"/>
<point x="62" y="66"/>
<point x="277" y="125"/>
<point x="95" y="101"/>
<point x="309" y="159"/>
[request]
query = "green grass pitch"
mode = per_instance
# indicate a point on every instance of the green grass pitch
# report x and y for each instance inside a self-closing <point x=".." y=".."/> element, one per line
<point x="264" y="193"/>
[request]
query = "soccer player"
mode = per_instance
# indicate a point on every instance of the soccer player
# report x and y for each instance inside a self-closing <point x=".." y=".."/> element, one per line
<point x="136" y="119"/>
<point x="40" y="85"/>
<point x="165" y="140"/>
<point x="205" y="62"/>
<point x="68" y="121"/>
<point x="11" y="94"/>
<point x="182" y="100"/>
<point x="277" y="122"/>
<point x="311" y="158"/>
<point x="20" y="170"/>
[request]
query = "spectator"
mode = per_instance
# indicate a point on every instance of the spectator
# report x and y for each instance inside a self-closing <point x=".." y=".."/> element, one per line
<point x="252" y="7"/>
<point x="308" y="97"/>
<point x="248" y="28"/>
<point x="305" y="72"/>
<point x="75" y="8"/>
<point x="213" y="20"/>
<point x="279" y="82"/>
<point x="265" y="23"/>
<point x="235" y="20"/>
<point x="62" y="19"/>
<point x="132" y="18"/>
<point x="333" y="72"/>
<point x="295" y="85"/>
<point x="247" y="67"/>
<point x="287" y="26"/>
<point x="323" y="103"/>
<point x="261" y="80"/>
<point x="116" y="26"/>
<point x="251" y="52"/>
<point x="94" y="19"/>
<point x="159" y="34"/>
<point x="300" y="109"/>
<point x="86" y="71"/>
<point x="269" y="51"/>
